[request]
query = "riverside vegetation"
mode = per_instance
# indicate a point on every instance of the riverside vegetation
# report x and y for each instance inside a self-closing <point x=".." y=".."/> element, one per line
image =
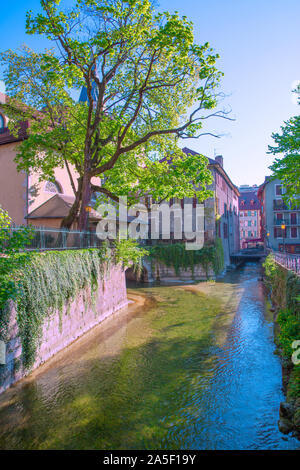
<point x="177" y="257"/>
<point x="284" y="289"/>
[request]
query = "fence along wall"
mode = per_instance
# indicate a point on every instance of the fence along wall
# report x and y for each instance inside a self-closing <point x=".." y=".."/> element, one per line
<point x="63" y="327"/>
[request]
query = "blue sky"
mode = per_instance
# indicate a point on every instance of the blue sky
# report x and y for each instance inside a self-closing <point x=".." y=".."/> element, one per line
<point x="259" y="45"/>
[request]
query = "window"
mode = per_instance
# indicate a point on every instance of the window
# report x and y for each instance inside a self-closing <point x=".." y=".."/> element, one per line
<point x="279" y="217"/>
<point x="53" y="187"/>
<point x="293" y="218"/>
<point x="249" y="213"/>
<point x="1" y="122"/>
<point x="294" y="232"/>
<point x="225" y="231"/>
<point x="249" y="223"/>
<point x="249" y="234"/>
<point x="279" y="233"/>
<point x="278" y="190"/>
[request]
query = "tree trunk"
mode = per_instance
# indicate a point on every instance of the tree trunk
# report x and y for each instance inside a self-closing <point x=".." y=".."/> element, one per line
<point x="85" y="201"/>
<point x="73" y="214"/>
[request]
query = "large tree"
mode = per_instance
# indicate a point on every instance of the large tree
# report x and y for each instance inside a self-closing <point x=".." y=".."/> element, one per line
<point x="147" y="85"/>
<point x="287" y="167"/>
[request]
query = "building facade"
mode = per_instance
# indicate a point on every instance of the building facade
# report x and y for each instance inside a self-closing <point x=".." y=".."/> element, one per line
<point x="249" y="216"/>
<point x="27" y="199"/>
<point x="280" y="223"/>
<point x="222" y="210"/>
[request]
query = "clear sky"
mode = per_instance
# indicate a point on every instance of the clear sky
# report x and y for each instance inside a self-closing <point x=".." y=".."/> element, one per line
<point x="259" y="45"/>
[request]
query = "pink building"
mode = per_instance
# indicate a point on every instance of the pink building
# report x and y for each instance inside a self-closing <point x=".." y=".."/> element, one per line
<point x="249" y="209"/>
<point x="23" y="196"/>
<point x="222" y="210"/>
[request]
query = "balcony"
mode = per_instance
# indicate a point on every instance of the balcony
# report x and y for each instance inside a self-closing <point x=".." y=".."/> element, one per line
<point x="280" y="205"/>
<point x="279" y="222"/>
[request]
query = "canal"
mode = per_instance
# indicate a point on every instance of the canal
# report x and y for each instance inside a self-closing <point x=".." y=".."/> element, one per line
<point x="184" y="367"/>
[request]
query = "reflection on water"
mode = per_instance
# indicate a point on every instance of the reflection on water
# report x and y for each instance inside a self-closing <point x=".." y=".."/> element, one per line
<point x="194" y="368"/>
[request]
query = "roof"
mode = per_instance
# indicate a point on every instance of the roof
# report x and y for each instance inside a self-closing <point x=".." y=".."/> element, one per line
<point x="57" y="207"/>
<point x="213" y="163"/>
<point x="262" y="187"/>
<point x="245" y="201"/>
<point x="6" y="137"/>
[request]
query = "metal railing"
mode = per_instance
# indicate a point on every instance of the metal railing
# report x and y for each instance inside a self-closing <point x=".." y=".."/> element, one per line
<point x="287" y="221"/>
<point x="288" y="261"/>
<point x="279" y="204"/>
<point x="45" y="238"/>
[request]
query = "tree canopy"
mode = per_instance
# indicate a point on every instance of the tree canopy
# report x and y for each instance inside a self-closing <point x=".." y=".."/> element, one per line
<point x="147" y="85"/>
<point x="287" y="168"/>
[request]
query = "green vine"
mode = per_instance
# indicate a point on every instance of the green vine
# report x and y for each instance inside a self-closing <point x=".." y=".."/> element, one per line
<point x="284" y="288"/>
<point x="41" y="283"/>
<point x="44" y="284"/>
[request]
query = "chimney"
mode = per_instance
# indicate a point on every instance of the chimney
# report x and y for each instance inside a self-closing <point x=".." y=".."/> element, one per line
<point x="219" y="159"/>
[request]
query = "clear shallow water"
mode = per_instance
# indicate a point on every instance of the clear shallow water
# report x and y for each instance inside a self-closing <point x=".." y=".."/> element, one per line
<point x="194" y="368"/>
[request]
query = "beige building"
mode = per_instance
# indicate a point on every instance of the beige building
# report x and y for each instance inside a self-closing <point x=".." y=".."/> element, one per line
<point x="23" y="196"/>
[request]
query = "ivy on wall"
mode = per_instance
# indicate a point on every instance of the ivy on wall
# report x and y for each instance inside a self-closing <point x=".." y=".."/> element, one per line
<point x="176" y="256"/>
<point x="42" y="283"/>
<point x="284" y="289"/>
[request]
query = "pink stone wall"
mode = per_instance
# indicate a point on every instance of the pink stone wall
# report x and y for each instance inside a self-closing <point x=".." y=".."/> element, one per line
<point x="163" y="272"/>
<point x="62" y="328"/>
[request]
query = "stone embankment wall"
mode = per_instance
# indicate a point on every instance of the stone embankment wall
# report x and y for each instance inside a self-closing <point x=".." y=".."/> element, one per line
<point x="162" y="272"/>
<point x="63" y="327"/>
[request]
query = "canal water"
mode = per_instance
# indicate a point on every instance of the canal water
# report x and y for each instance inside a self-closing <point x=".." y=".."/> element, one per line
<point x="193" y="367"/>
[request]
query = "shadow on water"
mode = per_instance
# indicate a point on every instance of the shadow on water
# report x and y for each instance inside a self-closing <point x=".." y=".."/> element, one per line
<point x="193" y="369"/>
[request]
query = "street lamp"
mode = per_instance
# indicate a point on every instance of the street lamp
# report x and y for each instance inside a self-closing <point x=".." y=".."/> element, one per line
<point x="283" y="235"/>
<point x="268" y="240"/>
<point x="88" y="210"/>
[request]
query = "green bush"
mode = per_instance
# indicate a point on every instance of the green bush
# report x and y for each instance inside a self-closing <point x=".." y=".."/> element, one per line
<point x="284" y="287"/>
<point x="289" y="324"/>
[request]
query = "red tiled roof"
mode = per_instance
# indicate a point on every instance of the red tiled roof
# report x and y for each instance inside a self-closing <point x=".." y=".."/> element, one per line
<point x="245" y="201"/>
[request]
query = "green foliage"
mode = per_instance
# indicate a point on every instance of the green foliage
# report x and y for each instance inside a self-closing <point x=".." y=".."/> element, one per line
<point x="275" y="280"/>
<point x="129" y="253"/>
<point x="287" y="168"/>
<point x="176" y="256"/>
<point x="43" y="283"/>
<point x="270" y="267"/>
<point x="218" y="256"/>
<point x="148" y="84"/>
<point x="294" y="387"/>
<point x="11" y="243"/>
<point x="289" y="330"/>
<point x="285" y="289"/>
